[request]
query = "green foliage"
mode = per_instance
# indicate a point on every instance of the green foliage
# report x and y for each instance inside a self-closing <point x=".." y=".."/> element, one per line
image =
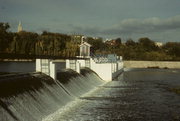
<point x="5" y="37"/>
<point x="147" y="44"/>
<point x="29" y="43"/>
<point x="157" y="56"/>
<point x="146" y="49"/>
<point x="56" y="44"/>
<point x="117" y="42"/>
<point x="130" y="42"/>
<point x="172" y="48"/>
<point x="97" y="44"/>
<point x="4" y="27"/>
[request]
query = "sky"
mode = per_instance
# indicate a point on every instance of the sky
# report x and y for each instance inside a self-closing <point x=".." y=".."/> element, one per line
<point x="157" y="19"/>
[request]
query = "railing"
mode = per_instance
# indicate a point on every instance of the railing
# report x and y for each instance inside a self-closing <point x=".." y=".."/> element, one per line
<point x="110" y="58"/>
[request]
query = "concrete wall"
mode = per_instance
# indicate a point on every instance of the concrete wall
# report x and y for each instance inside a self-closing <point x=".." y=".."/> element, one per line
<point x="53" y="67"/>
<point x="53" y="70"/>
<point x="82" y="63"/>
<point x="73" y="64"/>
<point x="107" y="71"/>
<point x="145" y="64"/>
<point x="120" y="65"/>
<point x="104" y="70"/>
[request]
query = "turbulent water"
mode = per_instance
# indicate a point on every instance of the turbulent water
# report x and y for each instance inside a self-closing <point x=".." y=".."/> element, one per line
<point x="137" y="95"/>
<point x="34" y="96"/>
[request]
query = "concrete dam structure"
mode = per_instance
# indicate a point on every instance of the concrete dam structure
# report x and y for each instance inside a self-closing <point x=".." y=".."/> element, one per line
<point x="34" y="96"/>
<point x="33" y="90"/>
<point x="79" y="94"/>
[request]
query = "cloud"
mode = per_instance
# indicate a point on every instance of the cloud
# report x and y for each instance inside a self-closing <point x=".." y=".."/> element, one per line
<point x="133" y="26"/>
<point x="155" y="28"/>
<point x="85" y="29"/>
<point x="144" y="26"/>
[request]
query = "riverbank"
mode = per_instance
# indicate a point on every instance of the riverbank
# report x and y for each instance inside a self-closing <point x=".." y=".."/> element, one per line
<point x="17" y="60"/>
<point x="152" y="64"/>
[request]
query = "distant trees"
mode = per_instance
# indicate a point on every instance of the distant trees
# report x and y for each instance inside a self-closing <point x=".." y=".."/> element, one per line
<point x="117" y="42"/>
<point x="29" y="43"/>
<point x="147" y="44"/>
<point x="130" y="42"/>
<point x="25" y="42"/>
<point x="172" y="49"/>
<point x="145" y="49"/>
<point x="5" y="37"/>
<point x="97" y="44"/>
<point x="56" y="44"/>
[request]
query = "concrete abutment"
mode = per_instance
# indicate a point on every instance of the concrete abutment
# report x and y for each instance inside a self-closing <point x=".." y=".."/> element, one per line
<point x="106" y="70"/>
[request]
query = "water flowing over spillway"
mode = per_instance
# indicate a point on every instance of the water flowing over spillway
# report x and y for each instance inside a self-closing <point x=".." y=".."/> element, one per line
<point x="136" y="95"/>
<point x="34" y="96"/>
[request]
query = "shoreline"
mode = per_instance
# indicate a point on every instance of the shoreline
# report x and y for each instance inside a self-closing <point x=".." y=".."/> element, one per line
<point x="17" y="60"/>
<point x="152" y="64"/>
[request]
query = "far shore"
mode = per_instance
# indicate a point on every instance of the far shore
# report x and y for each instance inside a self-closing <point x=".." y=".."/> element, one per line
<point x="152" y="64"/>
<point x="16" y="60"/>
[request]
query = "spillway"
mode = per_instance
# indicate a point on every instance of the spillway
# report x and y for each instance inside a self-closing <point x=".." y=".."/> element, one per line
<point x="34" y="96"/>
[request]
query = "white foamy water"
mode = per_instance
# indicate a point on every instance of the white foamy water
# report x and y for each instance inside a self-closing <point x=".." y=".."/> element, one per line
<point x="44" y="102"/>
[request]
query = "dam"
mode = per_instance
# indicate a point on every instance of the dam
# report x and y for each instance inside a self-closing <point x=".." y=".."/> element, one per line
<point x="35" y="90"/>
<point x="33" y="96"/>
<point x="136" y="94"/>
<point x="88" y="89"/>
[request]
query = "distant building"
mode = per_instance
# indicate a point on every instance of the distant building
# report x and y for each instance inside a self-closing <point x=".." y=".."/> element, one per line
<point x="20" y="28"/>
<point x="111" y="42"/>
<point x="159" y="44"/>
<point x="85" y="49"/>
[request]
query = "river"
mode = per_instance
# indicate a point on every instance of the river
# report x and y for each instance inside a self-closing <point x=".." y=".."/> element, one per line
<point x="137" y="95"/>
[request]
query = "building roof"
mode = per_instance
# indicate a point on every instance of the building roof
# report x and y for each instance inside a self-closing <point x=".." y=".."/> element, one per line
<point x="85" y="43"/>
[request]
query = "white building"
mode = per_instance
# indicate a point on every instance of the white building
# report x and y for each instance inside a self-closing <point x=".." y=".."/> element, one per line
<point x="159" y="44"/>
<point x="85" y="49"/>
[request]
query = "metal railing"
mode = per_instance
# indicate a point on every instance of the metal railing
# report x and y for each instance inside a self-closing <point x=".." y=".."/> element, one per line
<point x="109" y="58"/>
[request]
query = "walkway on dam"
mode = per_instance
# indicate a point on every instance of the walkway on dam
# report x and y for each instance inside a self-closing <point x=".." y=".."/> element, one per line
<point x="137" y="95"/>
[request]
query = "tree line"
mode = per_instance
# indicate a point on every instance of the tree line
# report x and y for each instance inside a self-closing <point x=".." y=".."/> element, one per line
<point x="56" y="44"/>
<point x="30" y="43"/>
<point x="143" y="49"/>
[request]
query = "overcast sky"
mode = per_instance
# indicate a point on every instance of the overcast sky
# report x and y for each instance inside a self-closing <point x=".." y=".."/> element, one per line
<point x="157" y="19"/>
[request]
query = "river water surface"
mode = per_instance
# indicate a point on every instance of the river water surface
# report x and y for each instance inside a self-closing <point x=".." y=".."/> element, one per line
<point x="137" y="95"/>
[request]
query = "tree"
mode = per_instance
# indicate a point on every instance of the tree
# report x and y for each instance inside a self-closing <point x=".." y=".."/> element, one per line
<point x="130" y="42"/>
<point x="97" y="44"/>
<point x="147" y="44"/>
<point x="118" y="42"/>
<point x="172" y="48"/>
<point x="26" y="42"/>
<point x="4" y="27"/>
<point x="4" y="37"/>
